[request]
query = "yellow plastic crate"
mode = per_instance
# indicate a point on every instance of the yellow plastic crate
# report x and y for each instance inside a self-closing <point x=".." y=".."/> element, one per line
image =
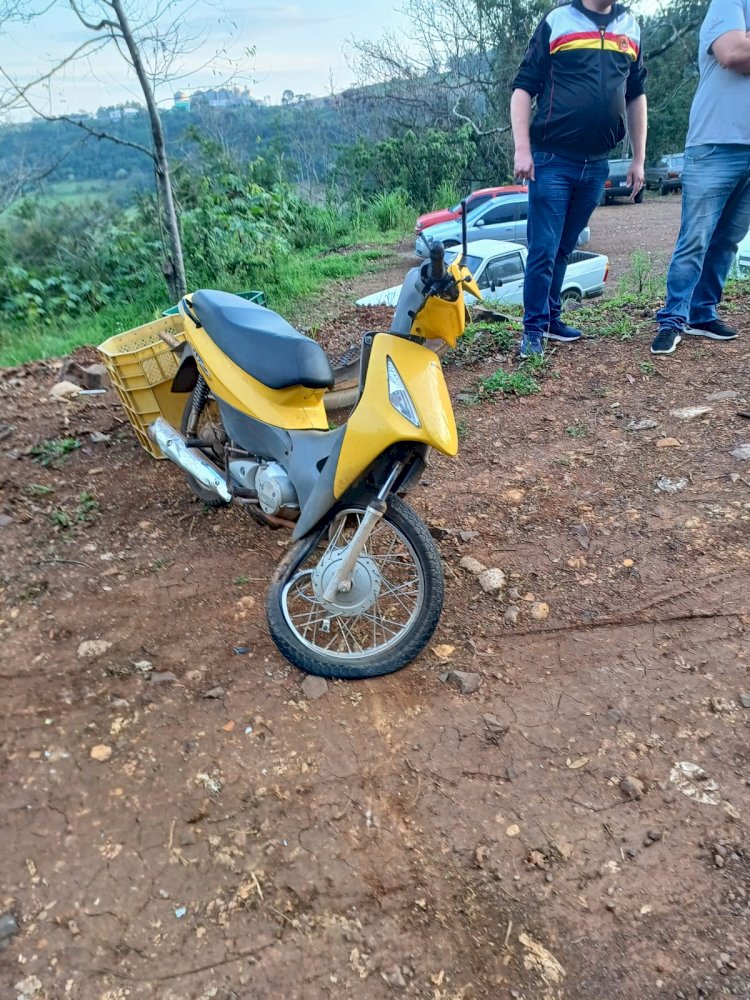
<point x="141" y="367"/>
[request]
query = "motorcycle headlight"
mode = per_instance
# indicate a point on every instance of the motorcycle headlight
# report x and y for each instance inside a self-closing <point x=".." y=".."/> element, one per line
<point x="399" y="396"/>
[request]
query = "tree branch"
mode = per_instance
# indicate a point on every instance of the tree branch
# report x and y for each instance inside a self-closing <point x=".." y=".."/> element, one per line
<point x="677" y="34"/>
<point x="109" y="25"/>
<point x="490" y="131"/>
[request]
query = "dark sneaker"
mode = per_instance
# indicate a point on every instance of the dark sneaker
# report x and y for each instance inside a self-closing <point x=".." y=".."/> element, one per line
<point x="666" y="341"/>
<point x="716" y="329"/>
<point x="565" y="334"/>
<point x="531" y="346"/>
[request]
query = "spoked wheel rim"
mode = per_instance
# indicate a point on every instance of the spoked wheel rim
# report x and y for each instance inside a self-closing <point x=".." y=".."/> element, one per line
<point x="387" y="593"/>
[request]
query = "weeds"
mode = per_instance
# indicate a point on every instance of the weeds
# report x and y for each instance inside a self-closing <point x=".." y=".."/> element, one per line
<point x="158" y="564"/>
<point x="54" y="451"/>
<point x="38" y="490"/>
<point x="577" y="430"/>
<point x="462" y="428"/>
<point x="480" y="341"/>
<point x="647" y="368"/>
<point x="518" y="383"/>
<point x="66" y="519"/>
<point x="241" y="581"/>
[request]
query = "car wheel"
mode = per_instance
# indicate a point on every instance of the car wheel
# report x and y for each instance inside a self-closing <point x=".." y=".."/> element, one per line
<point x="663" y="188"/>
<point x="639" y="197"/>
<point x="568" y="297"/>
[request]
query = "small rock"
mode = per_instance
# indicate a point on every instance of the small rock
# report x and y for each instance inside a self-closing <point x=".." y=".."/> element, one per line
<point x="97" y="437"/>
<point x="690" y="412"/>
<point x="514" y="594"/>
<point x="495" y="726"/>
<point x="632" y="787"/>
<point x="719" y="861"/>
<point x="468" y="536"/>
<point x="492" y="580"/>
<point x="472" y="565"/>
<point x="314" y="687"/>
<point x="614" y="715"/>
<point x="217" y="692"/>
<point x="163" y="677"/>
<point x="8" y="926"/>
<point x="438" y="533"/>
<point x="480" y="855"/>
<point x="742" y="452"/>
<point x="641" y="425"/>
<point x="717" y="397"/>
<point x="655" y="835"/>
<point x="668" y="443"/>
<point x="91" y="649"/>
<point x="744" y="700"/>
<point x="721" y="706"/>
<point x="28" y="988"/>
<point x="539" y="611"/>
<point x="734" y="477"/>
<point x="101" y="752"/>
<point x="466" y="683"/>
<point x="65" y="391"/>
<point x="611" y="905"/>
<point x="510" y="617"/>
<point x="5" y="520"/>
<point x="511" y="773"/>
<point x="89" y="377"/>
<point x="394" y="978"/>
<point x="667" y="485"/>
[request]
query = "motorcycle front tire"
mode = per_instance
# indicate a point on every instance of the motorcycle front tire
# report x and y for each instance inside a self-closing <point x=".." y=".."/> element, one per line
<point x="415" y="637"/>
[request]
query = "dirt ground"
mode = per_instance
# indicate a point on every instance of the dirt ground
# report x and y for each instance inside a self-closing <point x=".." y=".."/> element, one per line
<point x="180" y="822"/>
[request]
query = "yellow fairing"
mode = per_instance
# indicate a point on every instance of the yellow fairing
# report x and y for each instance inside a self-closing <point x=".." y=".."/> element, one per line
<point x="375" y="425"/>
<point x="295" y="408"/>
<point x="443" y="320"/>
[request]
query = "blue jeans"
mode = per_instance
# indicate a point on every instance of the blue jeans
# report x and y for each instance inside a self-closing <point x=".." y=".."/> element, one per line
<point x="561" y="201"/>
<point x="715" y="218"/>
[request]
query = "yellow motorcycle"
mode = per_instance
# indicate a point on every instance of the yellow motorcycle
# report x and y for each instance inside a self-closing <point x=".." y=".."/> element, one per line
<point x="360" y="591"/>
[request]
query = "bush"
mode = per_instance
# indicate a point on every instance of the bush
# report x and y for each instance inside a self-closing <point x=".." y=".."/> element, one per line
<point x="391" y="210"/>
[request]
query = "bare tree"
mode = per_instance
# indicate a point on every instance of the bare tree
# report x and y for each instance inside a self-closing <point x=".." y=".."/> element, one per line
<point x="149" y="37"/>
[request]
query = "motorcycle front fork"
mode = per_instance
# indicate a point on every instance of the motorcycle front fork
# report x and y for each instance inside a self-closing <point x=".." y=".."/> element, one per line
<point x="341" y="581"/>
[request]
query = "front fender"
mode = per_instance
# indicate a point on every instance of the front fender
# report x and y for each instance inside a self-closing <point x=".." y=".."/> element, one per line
<point x="375" y="425"/>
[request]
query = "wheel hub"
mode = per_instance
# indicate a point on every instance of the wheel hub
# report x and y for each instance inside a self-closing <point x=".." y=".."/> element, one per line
<point x="364" y="589"/>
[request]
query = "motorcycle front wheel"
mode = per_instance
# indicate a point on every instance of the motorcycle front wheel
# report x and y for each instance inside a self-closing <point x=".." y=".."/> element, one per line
<point x="387" y="617"/>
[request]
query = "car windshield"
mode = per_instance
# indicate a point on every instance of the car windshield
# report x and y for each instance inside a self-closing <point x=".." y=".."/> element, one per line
<point x="473" y="263"/>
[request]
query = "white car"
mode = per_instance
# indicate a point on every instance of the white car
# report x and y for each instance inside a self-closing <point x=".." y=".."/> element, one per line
<point x="499" y="219"/>
<point x="499" y="267"/>
<point x="742" y="261"/>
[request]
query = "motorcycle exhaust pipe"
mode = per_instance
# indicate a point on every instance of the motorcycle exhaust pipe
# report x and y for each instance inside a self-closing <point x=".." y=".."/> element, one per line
<point x="190" y="460"/>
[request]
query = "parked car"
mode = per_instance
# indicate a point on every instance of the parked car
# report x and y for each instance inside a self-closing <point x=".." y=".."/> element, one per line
<point x="499" y="219"/>
<point x="742" y="260"/>
<point x="616" y="185"/>
<point x="474" y="200"/>
<point x="666" y="174"/>
<point x="499" y="267"/>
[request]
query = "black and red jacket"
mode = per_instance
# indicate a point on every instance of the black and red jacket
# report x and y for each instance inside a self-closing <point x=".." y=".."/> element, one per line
<point x="583" y="68"/>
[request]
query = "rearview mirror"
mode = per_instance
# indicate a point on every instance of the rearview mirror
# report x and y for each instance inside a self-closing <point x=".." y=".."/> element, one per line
<point x="480" y="222"/>
<point x="495" y="283"/>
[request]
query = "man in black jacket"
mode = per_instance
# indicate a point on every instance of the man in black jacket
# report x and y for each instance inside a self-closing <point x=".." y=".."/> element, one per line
<point x="585" y="68"/>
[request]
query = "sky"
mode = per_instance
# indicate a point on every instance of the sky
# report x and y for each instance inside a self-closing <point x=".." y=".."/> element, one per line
<point x="297" y="46"/>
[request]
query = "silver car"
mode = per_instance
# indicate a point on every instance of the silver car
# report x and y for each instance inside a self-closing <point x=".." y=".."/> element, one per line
<point x="502" y="218"/>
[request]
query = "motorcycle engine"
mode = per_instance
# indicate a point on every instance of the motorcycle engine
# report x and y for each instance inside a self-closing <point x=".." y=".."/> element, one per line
<point x="276" y="494"/>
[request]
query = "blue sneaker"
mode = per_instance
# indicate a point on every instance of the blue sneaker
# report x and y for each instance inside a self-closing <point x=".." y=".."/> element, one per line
<point x="531" y="346"/>
<point x="564" y="333"/>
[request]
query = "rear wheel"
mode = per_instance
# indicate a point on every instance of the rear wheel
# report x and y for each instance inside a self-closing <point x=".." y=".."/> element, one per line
<point x="639" y="197"/>
<point x="387" y="617"/>
<point x="211" y="429"/>
<point x="663" y="187"/>
<point x="568" y="297"/>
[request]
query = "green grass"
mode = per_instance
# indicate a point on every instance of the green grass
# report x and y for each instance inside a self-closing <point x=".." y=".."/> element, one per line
<point x="518" y="383"/>
<point x="54" y="451"/>
<point x="481" y="340"/>
<point x="577" y="430"/>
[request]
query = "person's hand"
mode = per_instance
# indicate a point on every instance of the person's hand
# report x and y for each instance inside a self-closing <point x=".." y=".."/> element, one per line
<point x="523" y="166"/>
<point x="636" y="177"/>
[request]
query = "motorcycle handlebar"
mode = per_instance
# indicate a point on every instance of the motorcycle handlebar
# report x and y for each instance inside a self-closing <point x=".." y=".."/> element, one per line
<point x="437" y="260"/>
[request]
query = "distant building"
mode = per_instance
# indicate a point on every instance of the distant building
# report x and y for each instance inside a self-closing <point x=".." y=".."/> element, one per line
<point x="182" y="100"/>
<point x="222" y="97"/>
<point x="117" y="114"/>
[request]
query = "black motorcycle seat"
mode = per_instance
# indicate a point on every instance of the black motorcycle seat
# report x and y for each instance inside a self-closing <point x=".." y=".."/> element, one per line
<point x="261" y="342"/>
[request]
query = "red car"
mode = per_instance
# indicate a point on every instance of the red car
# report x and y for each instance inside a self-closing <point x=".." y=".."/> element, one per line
<point x="475" y="199"/>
